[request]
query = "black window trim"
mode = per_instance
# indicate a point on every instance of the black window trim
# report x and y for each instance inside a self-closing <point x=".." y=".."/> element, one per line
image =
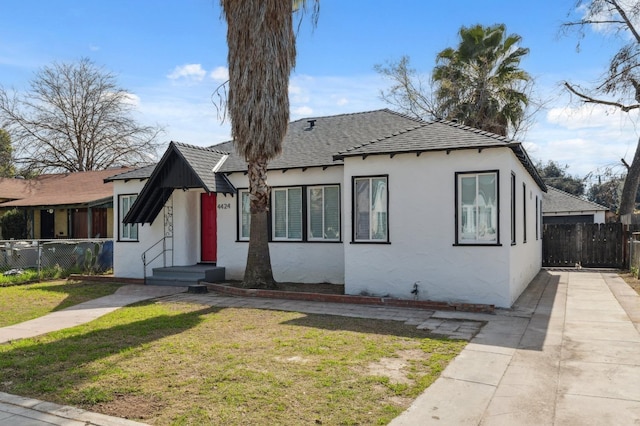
<point x="455" y="202"/>
<point x="353" y="210"/>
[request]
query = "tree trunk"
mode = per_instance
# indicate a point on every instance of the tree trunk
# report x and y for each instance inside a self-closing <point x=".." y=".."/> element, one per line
<point x="258" y="273"/>
<point x="630" y="188"/>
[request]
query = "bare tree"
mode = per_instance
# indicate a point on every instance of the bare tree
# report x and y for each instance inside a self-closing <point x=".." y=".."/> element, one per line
<point x="75" y="118"/>
<point x="619" y="86"/>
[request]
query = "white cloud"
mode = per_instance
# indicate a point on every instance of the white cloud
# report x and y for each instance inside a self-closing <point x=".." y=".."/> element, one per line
<point x="190" y="72"/>
<point x="132" y="99"/>
<point x="302" y="111"/>
<point x="220" y="74"/>
<point x="342" y="101"/>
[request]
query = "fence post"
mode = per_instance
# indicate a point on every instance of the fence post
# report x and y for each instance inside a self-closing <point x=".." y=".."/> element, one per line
<point x="39" y="247"/>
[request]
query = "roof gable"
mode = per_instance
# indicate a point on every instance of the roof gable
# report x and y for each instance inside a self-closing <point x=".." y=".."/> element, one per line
<point x="182" y="166"/>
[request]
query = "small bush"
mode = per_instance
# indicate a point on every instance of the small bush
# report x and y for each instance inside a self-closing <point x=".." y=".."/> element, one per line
<point x="14" y="225"/>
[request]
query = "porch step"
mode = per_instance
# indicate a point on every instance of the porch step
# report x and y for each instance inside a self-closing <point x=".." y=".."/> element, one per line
<point x="185" y="276"/>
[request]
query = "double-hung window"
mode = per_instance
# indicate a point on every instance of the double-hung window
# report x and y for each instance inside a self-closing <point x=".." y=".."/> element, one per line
<point x="128" y="231"/>
<point x="477" y="208"/>
<point x="370" y="210"/>
<point x="323" y="213"/>
<point x="244" y="225"/>
<point x="287" y="213"/>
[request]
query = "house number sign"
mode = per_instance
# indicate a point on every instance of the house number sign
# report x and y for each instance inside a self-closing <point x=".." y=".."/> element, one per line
<point x="224" y="206"/>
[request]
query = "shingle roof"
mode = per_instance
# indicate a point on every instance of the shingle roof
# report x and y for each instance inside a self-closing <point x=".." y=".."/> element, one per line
<point x="16" y="188"/>
<point x="306" y="146"/>
<point x="67" y="189"/>
<point x="330" y="139"/>
<point x="432" y="136"/>
<point x="182" y="166"/>
<point x="141" y="173"/>
<point x="557" y="201"/>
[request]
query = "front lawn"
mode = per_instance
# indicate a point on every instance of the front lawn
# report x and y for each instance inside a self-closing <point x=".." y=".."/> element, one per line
<point x="20" y="303"/>
<point x="177" y="363"/>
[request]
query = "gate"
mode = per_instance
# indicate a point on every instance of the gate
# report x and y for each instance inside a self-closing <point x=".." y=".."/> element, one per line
<point x="593" y="245"/>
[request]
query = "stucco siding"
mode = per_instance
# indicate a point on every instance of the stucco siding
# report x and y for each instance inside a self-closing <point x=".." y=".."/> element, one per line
<point x="307" y="262"/>
<point x="525" y="257"/>
<point x="422" y="231"/>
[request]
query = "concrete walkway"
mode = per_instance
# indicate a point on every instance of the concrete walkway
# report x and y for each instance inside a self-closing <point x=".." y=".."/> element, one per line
<point x="574" y="360"/>
<point x="566" y="354"/>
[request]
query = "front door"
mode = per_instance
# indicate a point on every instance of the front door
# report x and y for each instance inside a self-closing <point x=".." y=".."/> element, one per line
<point x="47" y="224"/>
<point x="208" y="227"/>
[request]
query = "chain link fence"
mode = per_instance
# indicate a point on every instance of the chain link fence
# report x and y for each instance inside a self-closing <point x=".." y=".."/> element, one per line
<point x="88" y="256"/>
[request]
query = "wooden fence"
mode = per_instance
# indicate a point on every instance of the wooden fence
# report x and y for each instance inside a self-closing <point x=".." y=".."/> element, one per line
<point x="591" y="245"/>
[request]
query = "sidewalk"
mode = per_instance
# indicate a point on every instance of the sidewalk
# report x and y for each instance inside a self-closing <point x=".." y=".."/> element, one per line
<point x="574" y="361"/>
<point x="567" y="353"/>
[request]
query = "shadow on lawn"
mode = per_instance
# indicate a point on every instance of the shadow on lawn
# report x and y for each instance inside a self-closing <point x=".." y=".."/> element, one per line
<point x="359" y="325"/>
<point x="76" y="291"/>
<point x="38" y="366"/>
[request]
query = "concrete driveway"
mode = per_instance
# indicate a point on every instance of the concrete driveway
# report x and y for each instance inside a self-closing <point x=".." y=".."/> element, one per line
<point x="567" y="354"/>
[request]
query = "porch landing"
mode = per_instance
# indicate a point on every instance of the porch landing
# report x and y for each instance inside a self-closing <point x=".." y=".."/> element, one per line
<point x="184" y="276"/>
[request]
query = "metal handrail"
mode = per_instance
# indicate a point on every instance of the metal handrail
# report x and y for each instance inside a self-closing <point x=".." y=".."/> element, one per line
<point x="163" y="253"/>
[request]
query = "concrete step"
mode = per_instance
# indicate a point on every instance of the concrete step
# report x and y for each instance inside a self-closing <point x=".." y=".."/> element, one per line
<point x="170" y="281"/>
<point x="187" y="274"/>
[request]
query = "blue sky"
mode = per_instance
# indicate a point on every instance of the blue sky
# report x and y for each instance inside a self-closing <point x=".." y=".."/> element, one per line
<point x="171" y="55"/>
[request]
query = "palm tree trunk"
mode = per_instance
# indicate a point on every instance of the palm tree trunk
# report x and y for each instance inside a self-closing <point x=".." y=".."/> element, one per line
<point x="258" y="272"/>
<point x="630" y="188"/>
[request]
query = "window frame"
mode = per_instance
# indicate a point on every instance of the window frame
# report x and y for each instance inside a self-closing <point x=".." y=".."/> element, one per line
<point x="239" y="217"/>
<point x="513" y="210"/>
<point x="305" y="215"/>
<point x="458" y="211"/>
<point x="274" y="217"/>
<point x="524" y="212"/>
<point x="355" y="240"/>
<point x="308" y="190"/>
<point x="131" y="198"/>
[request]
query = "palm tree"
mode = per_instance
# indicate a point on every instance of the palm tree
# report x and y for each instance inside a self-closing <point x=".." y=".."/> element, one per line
<point x="262" y="53"/>
<point x="480" y="84"/>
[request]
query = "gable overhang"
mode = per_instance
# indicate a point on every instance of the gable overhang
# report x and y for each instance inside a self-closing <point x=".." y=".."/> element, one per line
<point x="516" y="147"/>
<point x="172" y="172"/>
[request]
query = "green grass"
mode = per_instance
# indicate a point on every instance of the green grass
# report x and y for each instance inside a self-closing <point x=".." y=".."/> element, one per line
<point x="185" y="364"/>
<point x="20" y="303"/>
<point x="31" y="275"/>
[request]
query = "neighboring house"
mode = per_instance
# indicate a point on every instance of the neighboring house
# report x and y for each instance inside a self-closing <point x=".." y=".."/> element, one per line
<point x="63" y="205"/>
<point x="561" y="207"/>
<point x="375" y="200"/>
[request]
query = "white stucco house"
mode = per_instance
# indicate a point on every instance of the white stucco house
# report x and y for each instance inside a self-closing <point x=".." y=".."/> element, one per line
<point x="376" y="201"/>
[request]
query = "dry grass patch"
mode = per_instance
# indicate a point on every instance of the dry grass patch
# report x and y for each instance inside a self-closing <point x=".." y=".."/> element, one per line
<point x="632" y="280"/>
<point x="170" y="363"/>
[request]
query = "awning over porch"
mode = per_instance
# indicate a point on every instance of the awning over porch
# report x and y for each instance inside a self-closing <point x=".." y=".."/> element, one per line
<point x="181" y="167"/>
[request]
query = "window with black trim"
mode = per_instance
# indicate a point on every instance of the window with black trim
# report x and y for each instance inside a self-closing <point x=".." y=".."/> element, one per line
<point x="524" y="212"/>
<point x="286" y="213"/>
<point x="513" y="208"/>
<point x="298" y="213"/>
<point x="537" y="222"/>
<point x="127" y="231"/>
<point x="370" y="209"/>
<point x="244" y="211"/>
<point x="477" y="208"/>
<point x="323" y="213"/>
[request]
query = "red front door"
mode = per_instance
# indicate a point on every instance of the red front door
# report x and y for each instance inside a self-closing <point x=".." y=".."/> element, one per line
<point x="208" y="227"/>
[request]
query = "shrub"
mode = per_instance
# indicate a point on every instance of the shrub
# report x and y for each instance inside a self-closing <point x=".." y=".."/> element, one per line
<point x="14" y="225"/>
